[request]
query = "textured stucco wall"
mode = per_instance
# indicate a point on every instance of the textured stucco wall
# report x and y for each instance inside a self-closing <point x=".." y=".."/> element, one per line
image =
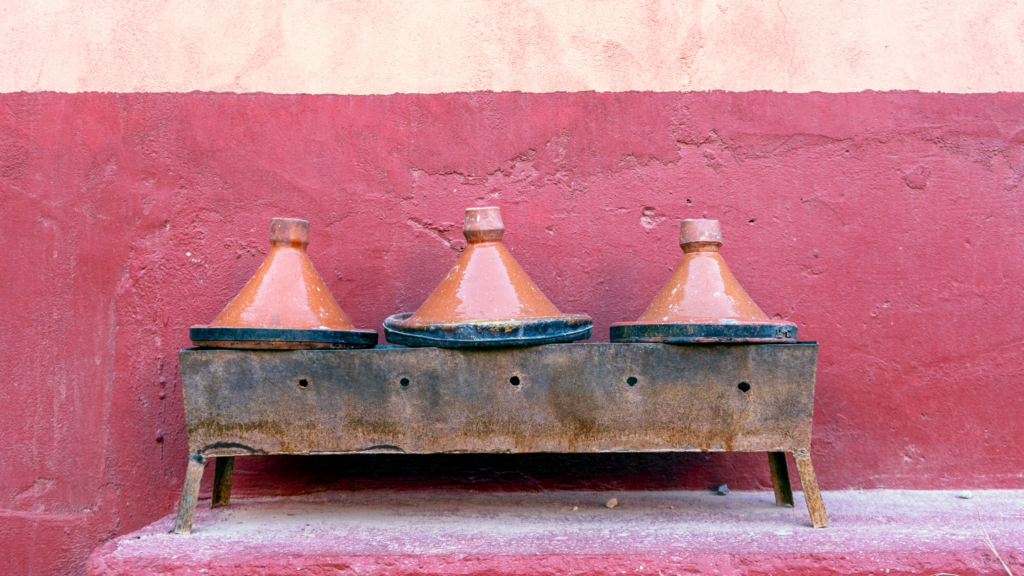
<point x="886" y="225"/>
<point x="309" y="46"/>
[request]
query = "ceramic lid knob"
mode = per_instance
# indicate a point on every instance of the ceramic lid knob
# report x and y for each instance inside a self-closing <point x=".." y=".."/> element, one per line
<point x="697" y="233"/>
<point x="289" y="231"/>
<point x="483" y="224"/>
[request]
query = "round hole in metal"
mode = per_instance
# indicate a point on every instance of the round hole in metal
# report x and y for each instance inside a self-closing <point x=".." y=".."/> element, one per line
<point x="404" y="382"/>
<point x="514" y="380"/>
<point x="303" y="383"/>
<point x="631" y="380"/>
<point x="744" y="387"/>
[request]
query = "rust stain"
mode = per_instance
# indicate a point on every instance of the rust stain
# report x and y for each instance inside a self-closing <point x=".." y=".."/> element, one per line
<point x="569" y="398"/>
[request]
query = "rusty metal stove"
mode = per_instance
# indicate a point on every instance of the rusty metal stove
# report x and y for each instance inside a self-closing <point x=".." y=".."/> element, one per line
<point x="568" y="398"/>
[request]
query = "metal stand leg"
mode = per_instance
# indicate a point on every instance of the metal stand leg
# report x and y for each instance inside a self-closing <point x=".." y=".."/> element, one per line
<point x="225" y="465"/>
<point x="190" y="494"/>
<point x="780" y="478"/>
<point x="811" y="493"/>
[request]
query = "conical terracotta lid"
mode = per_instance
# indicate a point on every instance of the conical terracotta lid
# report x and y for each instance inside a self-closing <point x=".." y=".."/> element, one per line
<point x="703" y="301"/>
<point x="487" y="299"/>
<point x="285" y="305"/>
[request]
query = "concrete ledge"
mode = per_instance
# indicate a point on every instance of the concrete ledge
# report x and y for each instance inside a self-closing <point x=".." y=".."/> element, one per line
<point x="872" y="532"/>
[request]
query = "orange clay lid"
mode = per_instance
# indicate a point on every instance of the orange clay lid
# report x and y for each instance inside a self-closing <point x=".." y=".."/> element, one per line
<point x="702" y="289"/>
<point x="486" y="282"/>
<point x="286" y="291"/>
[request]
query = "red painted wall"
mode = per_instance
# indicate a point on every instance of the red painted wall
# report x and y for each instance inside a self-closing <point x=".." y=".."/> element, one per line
<point x="886" y="225"/>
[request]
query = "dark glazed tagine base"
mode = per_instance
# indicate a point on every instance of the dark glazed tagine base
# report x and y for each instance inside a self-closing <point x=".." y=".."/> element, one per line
<point x="280" y="338"/>
<point x="707" y="333"/>
<point x="488" y="333"/>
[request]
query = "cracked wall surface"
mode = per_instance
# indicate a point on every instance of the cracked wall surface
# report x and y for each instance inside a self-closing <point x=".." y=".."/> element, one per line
<point x="886" y="225"/>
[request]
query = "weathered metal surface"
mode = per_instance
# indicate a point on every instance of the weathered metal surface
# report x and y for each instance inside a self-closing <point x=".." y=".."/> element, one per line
<point x="815" y="505"/>
<point x="190" y="494"/>
<point x="554" y="398"/>
<point x="222" y="476"/>
<point x="780" y="478"/>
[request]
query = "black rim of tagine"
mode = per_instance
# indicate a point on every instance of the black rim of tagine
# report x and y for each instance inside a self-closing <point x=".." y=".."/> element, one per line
<point x="280" y="338"/>
<point x="740" y="332"/>
<point x="490" y="333"/>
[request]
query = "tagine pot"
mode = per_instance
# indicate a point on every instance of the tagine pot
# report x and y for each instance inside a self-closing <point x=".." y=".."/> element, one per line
<point x="702" y="301"/>
<point x="486" y="300"/>
<point x="285" y="306"/>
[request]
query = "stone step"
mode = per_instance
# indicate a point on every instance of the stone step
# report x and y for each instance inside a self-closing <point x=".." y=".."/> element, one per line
<point x="880" y="532"/>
